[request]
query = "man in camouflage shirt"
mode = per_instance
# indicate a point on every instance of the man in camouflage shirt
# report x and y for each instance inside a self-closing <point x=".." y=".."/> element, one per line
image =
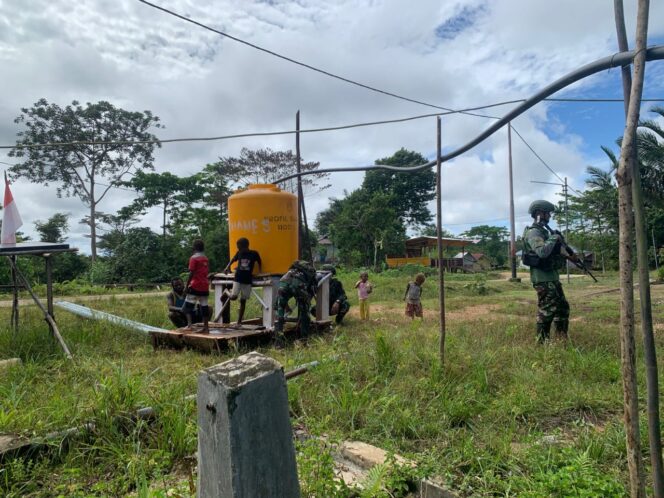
<point x="299" y="283"/>
<point x="545" y="255"/>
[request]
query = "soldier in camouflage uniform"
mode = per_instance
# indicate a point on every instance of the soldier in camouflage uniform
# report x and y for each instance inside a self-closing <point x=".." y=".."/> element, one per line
<point x="339" y="304"/>
<point x="299" y="283"/>
<point x="544" y="254"/>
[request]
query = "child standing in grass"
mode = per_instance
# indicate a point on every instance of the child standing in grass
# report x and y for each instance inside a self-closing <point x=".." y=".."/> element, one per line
<point x="413" y="297"/>
<point x="198" y="286"/>
<point x="363" y="290"/>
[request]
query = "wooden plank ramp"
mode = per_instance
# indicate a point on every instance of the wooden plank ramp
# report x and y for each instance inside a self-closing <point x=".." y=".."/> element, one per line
<point x="223" y="335"/>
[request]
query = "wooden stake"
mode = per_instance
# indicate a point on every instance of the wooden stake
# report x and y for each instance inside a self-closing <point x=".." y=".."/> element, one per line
<point x="439" y="235"/>
<point x="512" y="223"/>
<point x="649" y="350"/>
<point x="624" y="177"/>
<point x="14" y="318"/>
<point x="49" y="319"/>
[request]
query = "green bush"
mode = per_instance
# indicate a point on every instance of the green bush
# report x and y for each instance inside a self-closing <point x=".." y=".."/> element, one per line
<point x="660" y="274"/>
<point x="478" y="285"/>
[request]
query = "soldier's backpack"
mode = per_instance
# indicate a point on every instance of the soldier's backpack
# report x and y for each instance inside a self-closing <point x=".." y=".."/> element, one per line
<point x="306" y="269"/>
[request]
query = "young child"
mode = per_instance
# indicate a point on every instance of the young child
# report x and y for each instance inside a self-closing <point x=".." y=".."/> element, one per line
<point x="246" y="258"/>
<point x="198" y="287"/>
<point x="413" y="297"/>
<point x="363" y="290"/>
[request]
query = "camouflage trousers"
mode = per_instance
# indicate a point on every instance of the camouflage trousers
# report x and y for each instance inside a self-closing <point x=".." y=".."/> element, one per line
<point x="298" y="290"/>
<point x="552" y="307"/>
<point x="340" y="313"/>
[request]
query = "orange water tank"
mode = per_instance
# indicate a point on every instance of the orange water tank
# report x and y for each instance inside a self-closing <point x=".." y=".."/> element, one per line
<point x="267" y="216"/>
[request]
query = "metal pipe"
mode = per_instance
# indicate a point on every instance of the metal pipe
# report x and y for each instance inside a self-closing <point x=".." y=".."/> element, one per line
<point x="85" y="312"/>
<point x="260" y="300"/>
<point x="616" y="60"/>
<point x="326" y="277"/>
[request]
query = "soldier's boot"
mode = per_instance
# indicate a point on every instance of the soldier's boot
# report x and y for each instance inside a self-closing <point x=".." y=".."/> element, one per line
<point x="562" y="327"/>
<point x="304" y="326"/>
<point x="543" y="330"/>
<point x="279" y="337"/>
<point x="279" y="325"/>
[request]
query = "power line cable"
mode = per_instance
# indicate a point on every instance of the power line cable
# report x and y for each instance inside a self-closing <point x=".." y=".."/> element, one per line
<point x="255" y="134"/>
<point x="542" y="160"/>
<point x="284" y="132"/>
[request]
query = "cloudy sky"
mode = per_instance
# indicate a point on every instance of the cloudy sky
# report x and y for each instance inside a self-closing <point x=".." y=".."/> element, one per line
<point x="454" y="53"/>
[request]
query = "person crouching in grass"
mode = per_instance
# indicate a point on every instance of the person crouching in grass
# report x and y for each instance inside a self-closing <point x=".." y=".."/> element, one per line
<point x="198" y="286"/>
<point x="413" y="297"/>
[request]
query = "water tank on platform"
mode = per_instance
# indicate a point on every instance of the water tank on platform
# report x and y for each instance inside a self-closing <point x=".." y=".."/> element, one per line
<point x="267" y="216"/>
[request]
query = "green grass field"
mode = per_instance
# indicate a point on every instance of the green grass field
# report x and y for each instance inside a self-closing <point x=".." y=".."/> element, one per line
<point x="503" y="417"/>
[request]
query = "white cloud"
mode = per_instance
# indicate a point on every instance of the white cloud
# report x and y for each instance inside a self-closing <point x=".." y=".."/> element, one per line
<point x="202" y="84"/>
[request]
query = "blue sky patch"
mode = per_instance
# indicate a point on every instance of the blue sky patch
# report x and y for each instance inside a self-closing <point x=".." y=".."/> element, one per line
<point x="453" y="26"/>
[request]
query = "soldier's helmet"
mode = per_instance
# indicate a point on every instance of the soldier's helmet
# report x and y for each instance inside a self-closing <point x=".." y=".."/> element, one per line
<point x="541" y="205"/>
<point x="329" y="268"/>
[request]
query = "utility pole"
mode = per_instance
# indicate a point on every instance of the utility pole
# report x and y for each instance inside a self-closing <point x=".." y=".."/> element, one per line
<point x="439" y="235"/>
<point x="304" y="244"/>
<point x="300" y="221"/>
<point x="512" y="224"/>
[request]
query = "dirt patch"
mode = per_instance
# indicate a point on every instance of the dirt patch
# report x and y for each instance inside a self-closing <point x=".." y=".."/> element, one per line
<point x="468" y="313"/>
<point x="473" y="312"/>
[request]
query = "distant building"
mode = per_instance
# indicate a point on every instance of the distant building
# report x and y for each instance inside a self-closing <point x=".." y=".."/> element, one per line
<point x="327" y="252"/>
<point x="423" y="251"/>
<point x="474" y="262"/>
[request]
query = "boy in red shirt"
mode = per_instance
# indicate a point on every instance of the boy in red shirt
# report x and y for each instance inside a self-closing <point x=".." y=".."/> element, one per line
<point x="198" y="287"/>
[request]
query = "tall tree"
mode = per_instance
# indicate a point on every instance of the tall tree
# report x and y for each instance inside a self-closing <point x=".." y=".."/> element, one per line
<point x="367" y="228"/>
<point x="172" y="193"/>
<point x="492" y="241"/>
<point x="326" y="217"/>
<point x="267" y="166"/>
<point x="410" y="192"/>
<point x="79" y="168"/>
<point x="54" y="229"/>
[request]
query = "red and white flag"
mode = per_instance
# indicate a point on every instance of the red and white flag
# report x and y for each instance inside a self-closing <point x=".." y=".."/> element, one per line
<point x="11" y="219"/>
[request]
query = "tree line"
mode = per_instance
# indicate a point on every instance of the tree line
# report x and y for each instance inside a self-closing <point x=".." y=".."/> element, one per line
<point x="102" y="147"/>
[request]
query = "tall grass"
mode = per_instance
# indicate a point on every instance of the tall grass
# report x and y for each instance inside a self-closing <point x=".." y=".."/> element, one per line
<point x="504" y="417"/>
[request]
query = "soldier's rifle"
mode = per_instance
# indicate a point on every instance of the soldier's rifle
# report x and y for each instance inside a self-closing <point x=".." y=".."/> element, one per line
<point x="573" y="257"/>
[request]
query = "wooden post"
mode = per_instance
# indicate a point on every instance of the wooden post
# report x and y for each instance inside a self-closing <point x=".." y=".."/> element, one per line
<point x="512" y="223"/>
<point x="439" y="235"/>
<point x="654" y="248"/>
<point x="624" y="178"/>
<point x="49" y="287"/>
<point x="49" y="319"/>
<point x="245" y="440"/>
<point x="565" y="194"/>
<point x="14" y="318"/>
<point x="649" y="348"/>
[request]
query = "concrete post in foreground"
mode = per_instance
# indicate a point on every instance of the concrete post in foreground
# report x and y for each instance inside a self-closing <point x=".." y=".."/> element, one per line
<point x="245" y="440"/>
